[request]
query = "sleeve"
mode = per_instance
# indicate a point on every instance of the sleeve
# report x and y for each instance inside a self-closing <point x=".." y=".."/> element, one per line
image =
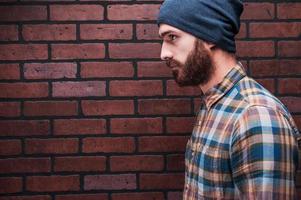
<point x="264" y="155"/>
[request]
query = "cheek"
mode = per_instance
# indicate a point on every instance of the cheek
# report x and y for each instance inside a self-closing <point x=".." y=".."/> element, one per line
<point x="182" y="58"/>
<point x="185" y="50"/>
<point x="180" y="55"/>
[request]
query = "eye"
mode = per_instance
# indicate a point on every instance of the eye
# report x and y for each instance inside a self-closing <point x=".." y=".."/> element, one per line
<point x="172" y="37"/>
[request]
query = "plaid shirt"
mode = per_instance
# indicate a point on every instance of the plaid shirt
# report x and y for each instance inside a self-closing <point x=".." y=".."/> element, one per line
<point x="243" y="145"/>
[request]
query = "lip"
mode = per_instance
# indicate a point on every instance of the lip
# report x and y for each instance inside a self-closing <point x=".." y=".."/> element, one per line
<point x="173" y="66"/>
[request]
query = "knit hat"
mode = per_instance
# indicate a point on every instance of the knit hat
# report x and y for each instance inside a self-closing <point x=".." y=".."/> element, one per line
<point x="216" y="21"/>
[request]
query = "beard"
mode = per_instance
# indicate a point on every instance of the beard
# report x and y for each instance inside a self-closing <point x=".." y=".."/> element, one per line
<point x="198" y="68"/>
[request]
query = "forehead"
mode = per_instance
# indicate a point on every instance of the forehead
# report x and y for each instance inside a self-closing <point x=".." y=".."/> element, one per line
<point x="165" y="28"/>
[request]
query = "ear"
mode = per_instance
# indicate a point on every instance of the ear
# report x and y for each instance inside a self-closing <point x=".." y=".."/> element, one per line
<point x="209" y="45"/>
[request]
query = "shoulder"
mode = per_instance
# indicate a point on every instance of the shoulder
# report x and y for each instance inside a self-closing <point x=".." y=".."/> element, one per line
<point x="255" y="95"/>
<point x="258" y="121"/>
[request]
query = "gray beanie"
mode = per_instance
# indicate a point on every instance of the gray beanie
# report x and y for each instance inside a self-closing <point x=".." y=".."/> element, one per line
<point x="216" y="21"/>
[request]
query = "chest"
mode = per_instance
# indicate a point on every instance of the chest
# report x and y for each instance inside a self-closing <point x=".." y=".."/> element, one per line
<point x="207" y="152"/>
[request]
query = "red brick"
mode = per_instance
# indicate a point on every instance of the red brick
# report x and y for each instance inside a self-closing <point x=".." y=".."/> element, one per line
<point x="49" y="70"/>
<point x="245" y="64"/>
<point x="49" y="32"/>
<point x="52" y="183"/>
<point x="106" y="69"/>
<point x="279" y="29"/>
<point x="80" y="164"/>
<point x="50" y="108"/>
<point x="78" y="89"/>
<point x="8" y="32"/>
<point x="147" y="32"/>
<point x="255" y="48"/>
<point x="289" y="86"/>
<point x="110" y="182"/>
<point x="297" y="119"/>
<point x="289" y="67"/>
<point x="9" y="0"/>
<point x="162" y="181"/>
<point x="164" y="106"/>
<point x="242" y="31"/>
<point x="289" y="11"/>
<point x="176" y="162"/>
<point x="298" y="178"/>
<point x="79" y="126"/>
<point x="76" y="12"/>
<point x="197" y="104"/>
<point x="153" y="69"/>
<point x="289" y="48"/>
<point x="136" y="163"/>
<point x="107" y="0"/>
<point x="269" y="84"/>
<point x="107" y="107"/>
<point x="46" y="0"/>
<point x="24" y="127"/>
<point x="136" y="88"/>
<point x="258" y="11"/>
<point x="174" y="195"/>
<point x="138" y="196"/>
<point x="9" y="109"/>
<point x="51" y="146"/>
<point x="262" y="68"/>
<point x="9" y="72"/>
<point x="293" y="103"/>
<point x="10" y="147"/>
<point x="35" y="197"/>
<point x="23" y="13"/>
<point x="108" y="145"/>
<point x="136" y="126"/>
<point x="298" y="191"/>
<point x="174" y="89"/>
<point x="10" y="185"/>
<point x="106" y="31"/>
<point x="25" y="165"/>
<point x="162" y="144"/>
<point x="23" y="90"/>
<point x="78" y="51"/>
<point x="137" y="12"/>
<point x="82" y="197"/>
<point x="23" y="52"/>
<point x="134" y="50"/>
<point x="180" y="124"/>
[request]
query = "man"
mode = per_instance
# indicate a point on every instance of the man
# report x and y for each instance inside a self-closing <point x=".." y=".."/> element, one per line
<point x="244" y="142"/>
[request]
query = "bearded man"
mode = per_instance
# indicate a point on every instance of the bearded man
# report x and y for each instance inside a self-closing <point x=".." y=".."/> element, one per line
<point x="244" y="142"/>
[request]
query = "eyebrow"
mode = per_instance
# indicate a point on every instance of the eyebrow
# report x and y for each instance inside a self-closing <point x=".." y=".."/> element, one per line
<point x="164" y="33"/>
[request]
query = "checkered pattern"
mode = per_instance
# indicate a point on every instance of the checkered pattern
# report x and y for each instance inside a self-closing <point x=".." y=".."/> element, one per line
<point x="243" y="146"/>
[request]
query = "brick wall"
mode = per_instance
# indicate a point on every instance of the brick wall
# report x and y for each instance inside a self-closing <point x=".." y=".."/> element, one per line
<point x="89" y="112"/>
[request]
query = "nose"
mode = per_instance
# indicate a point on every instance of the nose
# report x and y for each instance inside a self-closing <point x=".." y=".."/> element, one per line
<point x="165" y="52"/>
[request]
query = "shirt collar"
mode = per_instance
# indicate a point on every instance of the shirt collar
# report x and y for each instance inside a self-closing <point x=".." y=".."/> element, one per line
<point x="218" y="91"/>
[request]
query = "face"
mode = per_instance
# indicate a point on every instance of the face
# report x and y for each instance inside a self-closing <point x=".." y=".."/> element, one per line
<point x="188" y="57"/>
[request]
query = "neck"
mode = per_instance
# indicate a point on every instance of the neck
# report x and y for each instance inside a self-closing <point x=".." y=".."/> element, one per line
<point x="223" y="63"/>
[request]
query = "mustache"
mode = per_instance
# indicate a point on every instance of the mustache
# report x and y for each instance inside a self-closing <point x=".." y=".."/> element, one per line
<point x="172" y="63"/>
